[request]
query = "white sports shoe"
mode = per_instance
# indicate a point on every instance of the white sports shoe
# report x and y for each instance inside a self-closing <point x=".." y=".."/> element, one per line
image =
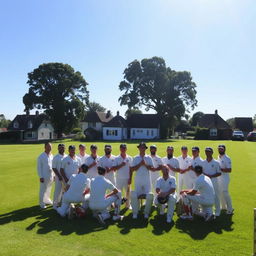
<point x="230" y="212"/>
<point x="42" y="206"/>
<point x="209" y="217"/>
<point x="186" y="217"/>
<point x="117" y="217"/>
<point x="134" y="216"/>
<point x="100" y="219"/>
<point x="169" y="219"/>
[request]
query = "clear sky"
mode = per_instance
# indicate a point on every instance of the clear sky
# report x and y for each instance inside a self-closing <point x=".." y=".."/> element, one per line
<point x="213" y="39"/>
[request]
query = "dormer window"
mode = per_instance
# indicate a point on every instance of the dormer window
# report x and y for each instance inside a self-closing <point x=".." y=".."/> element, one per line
<point x="15" y="124"/>
<point x="30" y="124"/>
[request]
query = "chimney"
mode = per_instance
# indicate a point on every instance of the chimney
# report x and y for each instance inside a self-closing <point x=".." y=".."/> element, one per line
<point x="117" y="113"/>
<point x="108" y="114"/>
<point x="216" y="112"/>
<point x="27" y="112"/>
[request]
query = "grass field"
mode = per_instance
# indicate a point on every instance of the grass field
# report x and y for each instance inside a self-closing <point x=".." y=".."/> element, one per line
<point x="27" y="230"/>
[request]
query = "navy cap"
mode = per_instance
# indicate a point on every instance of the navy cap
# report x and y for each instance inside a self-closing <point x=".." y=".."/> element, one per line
<point x="153" y="146"/>
<point x="123" y="145"/>
<point x="93" y="146"/>
<point x="222" y="146"/>
<point x="170" y="147"/>
<point x="184" y="148"/>
<point x="72" y="147"/>
<point x="108" y="146"/>
<point x="195" y="149"/>
<point x="209" y="149"/>
<point x="142" y="144"/>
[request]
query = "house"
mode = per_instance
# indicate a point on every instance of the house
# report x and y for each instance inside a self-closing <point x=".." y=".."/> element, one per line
<point x="115" y="129"/>
<point x="143" y="126"/>
<point x="218" y="129"/>
<point x="32" y="127"/>
<point x="93" y="123"/>
<point x="244" y="124"/>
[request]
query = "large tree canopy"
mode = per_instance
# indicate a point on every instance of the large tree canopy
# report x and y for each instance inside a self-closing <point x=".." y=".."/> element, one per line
<point x="60" y="91"/>
<point x="94" y="106"/>
<point x="151" y="84"/>
<point x="196" y="118"/>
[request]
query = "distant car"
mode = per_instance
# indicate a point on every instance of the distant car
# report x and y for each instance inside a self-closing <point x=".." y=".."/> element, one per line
<point x="238" y="135"/>
<point x="251" y="136"/>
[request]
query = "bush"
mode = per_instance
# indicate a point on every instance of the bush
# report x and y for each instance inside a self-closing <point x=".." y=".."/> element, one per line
<point x="79" y="136"/>
<point x="76" y="130"/>
<point x="202" y="134"/>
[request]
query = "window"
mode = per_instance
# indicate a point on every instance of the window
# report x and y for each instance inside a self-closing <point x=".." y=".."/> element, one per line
<point x="30" y="124"/>
<point x="133" y="132"/>
<point x="15" y="124"/>
<point x="42" y="134"/>
<point x="147" y="132"/>
<point x="152" y="133"/>
<point x="107" y="132"/>
<point x="91" y="124"/>
<point x="115" y="132"/>
<point x="213" y="132"/>
<point x="112" y="132"/>
<point x="29" y="135"/>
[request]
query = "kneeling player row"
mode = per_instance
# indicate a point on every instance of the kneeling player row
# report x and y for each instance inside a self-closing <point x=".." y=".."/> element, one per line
<point x="99" y="194"/>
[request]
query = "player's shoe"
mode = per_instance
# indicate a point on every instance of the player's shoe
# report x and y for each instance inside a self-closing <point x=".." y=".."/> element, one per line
<point x="100" y="219"/>
<point x="230" y="212"/>
<point x="42" y="206"/>
<point x="186" y="217"/>
<point x="169" y="219"/>
<point x="71" y="212"/>
<point x="117" y="217"/>
<point x="209" y="217"/>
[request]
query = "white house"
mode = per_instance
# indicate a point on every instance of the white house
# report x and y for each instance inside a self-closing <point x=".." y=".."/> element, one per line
<point x="33" y="127"/>
<point x="115" y="129"/>
<point x="143" y="126"/>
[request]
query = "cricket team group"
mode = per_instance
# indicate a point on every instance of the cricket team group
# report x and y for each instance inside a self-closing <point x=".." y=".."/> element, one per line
<point x="102" y="184"/>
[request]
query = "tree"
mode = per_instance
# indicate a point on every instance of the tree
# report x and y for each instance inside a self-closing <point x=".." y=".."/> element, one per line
<point x="4" y="123"/>
<point x="195" y="118"/>
<point x="60" y="91"/>
<point x="94" y="106"/>
<point x="151" y="84"/>
<point x="254" y="121"/>
<point x="131" y="111"/>
<point x="231" y="122"/>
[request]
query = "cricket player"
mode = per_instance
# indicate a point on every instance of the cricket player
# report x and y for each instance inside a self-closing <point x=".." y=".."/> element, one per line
<point x="70" y="164"/>
<point x="59" y="185"/>
<point x="186" y="174"/>
<point x="171" y="161"/>
<point x="202" y="195"/>
<point x="142" y="164"/>
<point x="92" y="162"/>
<point x="78" y="189"/>
<point x="211" y="168"/>
<point x="224" y="179"/>
<point x="100" y="201"/>
<point x="82" y="153"/>
<point x="157" y="165"/>
<point x="122" y="165"/>
<point x="165" y="193"/>
<point x="107" y="162"/>
<point x="46" y="175"/>
<point x="196" y="159"/>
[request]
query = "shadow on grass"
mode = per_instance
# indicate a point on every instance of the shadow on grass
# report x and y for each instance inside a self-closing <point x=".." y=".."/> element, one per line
<point x="48" y="220"/>
<point x="198" y="229"/>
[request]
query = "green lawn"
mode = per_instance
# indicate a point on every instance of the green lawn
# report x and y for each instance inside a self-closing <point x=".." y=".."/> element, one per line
<point x="27" y="230"/>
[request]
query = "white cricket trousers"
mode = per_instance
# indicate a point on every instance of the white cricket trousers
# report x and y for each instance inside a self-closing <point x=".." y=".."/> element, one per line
<point x="136" y="204"/>
<point x="197" y="200"/>
<point x="224" y="195"/>
<point x="217" y="199"/>
<point x="45" y="191"/>
<point x="68" y="198"/>
<point x="58" y="191"/>
<point x="185" y="181"/>
<point x="101" y="207"/>
<point x="170" y="203"/>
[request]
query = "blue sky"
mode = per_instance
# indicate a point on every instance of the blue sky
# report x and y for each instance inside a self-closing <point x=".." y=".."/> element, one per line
<point x="213" y="39"/>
